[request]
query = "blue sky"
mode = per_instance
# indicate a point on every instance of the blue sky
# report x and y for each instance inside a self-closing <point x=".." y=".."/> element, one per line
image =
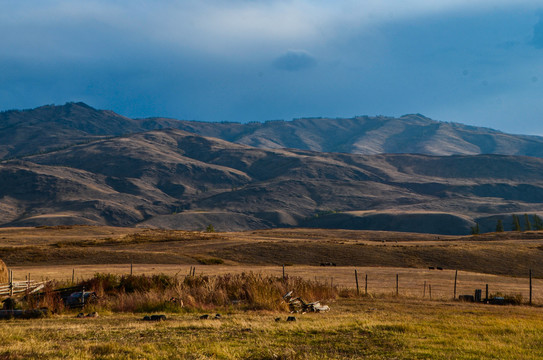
<point x="478" y="62"/>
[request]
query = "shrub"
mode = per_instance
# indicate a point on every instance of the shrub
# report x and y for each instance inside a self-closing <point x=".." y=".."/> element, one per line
<point x="211" y="261"/>
<point x="248" y="291"/>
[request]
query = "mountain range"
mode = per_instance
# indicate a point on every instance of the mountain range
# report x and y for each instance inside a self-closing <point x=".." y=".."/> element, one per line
<point x="73" y="164"/>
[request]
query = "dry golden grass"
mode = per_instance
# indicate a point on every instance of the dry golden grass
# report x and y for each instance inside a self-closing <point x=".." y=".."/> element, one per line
<point x="381" y="328"/>
<point x="510" y="253"/>
<point x="53" y="252"/>
<point x="381" y="280"/>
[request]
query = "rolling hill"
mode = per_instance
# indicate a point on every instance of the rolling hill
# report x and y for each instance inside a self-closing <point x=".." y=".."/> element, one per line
<point x="176" y="179"/>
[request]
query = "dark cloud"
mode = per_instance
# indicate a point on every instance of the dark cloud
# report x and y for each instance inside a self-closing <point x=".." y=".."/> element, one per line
<point x="294" y="60"/>
<point x="537" y="40"/>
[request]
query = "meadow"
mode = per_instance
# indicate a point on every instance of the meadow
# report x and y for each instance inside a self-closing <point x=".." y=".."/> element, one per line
<point x="369" y="328"/>
<point x="245" y="286"/>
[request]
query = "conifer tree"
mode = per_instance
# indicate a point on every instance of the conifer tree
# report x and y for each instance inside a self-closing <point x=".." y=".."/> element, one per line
<point x="527" y="224"/>
<point x="538" y="223"/>
<point x="516" y="223"/>
<point x="475" y="229"/>
<point x="499" y="226"/>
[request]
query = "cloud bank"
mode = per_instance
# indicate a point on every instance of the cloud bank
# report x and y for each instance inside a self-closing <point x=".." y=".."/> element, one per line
<point x="241" y="60"/>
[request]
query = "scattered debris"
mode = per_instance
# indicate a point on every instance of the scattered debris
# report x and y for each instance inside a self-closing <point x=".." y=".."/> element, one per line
<point x="497" y="300"/>
<point x="466" y="298"/>
<point x="154" y="318"/>
<point x="80" y="298"/>
<point x="297" y="304"/>
<point x="176" y="301"/>
<point x="478" y="295"/>
<point x="93" y="314"/>
<point x="207" y="316"/>
<point x="9" y="304"/>
<point x="24" y="314"/>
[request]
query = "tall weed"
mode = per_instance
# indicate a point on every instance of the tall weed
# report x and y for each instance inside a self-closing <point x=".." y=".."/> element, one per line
<point x="249" y="291"/>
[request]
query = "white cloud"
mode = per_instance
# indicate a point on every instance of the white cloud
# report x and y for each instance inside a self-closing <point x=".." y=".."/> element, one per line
<point x="215" y="27"/>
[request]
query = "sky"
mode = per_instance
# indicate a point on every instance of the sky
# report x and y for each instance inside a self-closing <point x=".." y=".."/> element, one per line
<point x="477" y="62"/>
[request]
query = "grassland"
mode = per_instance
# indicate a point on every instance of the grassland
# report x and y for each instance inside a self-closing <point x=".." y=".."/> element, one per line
<point x="509" y="253"/>
<point x="378" y="326"/>
<point x="370" y="328"/>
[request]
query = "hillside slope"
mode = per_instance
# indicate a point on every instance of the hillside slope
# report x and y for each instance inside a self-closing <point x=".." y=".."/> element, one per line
<point x="175" y="179"/>
<point x="414" y="134"/>
<point x="49" y="128"/>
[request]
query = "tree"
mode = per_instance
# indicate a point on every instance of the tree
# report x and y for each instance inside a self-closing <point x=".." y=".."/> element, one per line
<point x="516" y="223"/>
<point x="499" y="226"/>
<point x="538" y="223"/>
<point x="210" y="228"/>
<point x="475" y="229"/>
<point x="527" y="224"/>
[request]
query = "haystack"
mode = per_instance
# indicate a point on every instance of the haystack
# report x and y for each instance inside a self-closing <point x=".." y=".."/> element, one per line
<point x="3" y="272"/>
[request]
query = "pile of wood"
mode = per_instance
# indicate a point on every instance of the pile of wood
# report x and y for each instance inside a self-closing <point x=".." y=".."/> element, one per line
<point x="298" y="305"/>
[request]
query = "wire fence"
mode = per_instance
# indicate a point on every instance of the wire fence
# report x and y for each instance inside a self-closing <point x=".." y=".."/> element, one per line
<point x="418" y="283"/>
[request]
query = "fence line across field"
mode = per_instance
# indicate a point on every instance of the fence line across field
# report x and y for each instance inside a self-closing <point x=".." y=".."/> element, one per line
<point x="422" y="283"/>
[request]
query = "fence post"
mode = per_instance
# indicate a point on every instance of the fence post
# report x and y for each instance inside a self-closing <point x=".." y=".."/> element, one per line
<point x="366" y="286"/>
<point x="283" y="272"/>
<point x="73" y="276"/>
<point x="11" y="283"/>
<point x="486" y="293"/>
<point x="131" y="265"/>
<point x="397" y="285"/>
<point x="530" y="286"/>
<point x="193" y="271"/>
<point x="430" y="290"/>
<point x="356" y="278"/>
<point x="424" y="290"/>
<point x="455" y="277"/>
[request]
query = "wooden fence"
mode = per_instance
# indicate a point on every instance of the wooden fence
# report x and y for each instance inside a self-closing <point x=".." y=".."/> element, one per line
<point x="13" y="288"/>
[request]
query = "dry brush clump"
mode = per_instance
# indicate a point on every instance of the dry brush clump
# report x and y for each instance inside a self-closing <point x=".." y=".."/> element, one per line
<point x="248" y="291"/>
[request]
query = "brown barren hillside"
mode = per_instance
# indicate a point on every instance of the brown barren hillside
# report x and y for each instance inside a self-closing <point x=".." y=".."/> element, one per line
<point x="50" y="127"/>
<point x="95" y="167"/>
<point x="178" y="180"/>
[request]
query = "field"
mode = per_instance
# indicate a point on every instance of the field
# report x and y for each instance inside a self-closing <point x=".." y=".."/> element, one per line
<point x="380" y="325"/>
<point x="378" y="328"/>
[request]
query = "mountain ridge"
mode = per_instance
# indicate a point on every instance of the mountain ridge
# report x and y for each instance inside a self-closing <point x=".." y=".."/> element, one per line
<point x="79" y="165"/>
<point x="49" y="127"/>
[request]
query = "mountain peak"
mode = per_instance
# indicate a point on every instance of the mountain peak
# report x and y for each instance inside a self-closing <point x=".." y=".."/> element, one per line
<point x="80" y="104"/>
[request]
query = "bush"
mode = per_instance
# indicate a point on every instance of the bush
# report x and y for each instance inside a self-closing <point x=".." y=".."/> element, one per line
<point x="211" y="261"/>
<point x="509" y="299"/>
<point x="248" y="291"/>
